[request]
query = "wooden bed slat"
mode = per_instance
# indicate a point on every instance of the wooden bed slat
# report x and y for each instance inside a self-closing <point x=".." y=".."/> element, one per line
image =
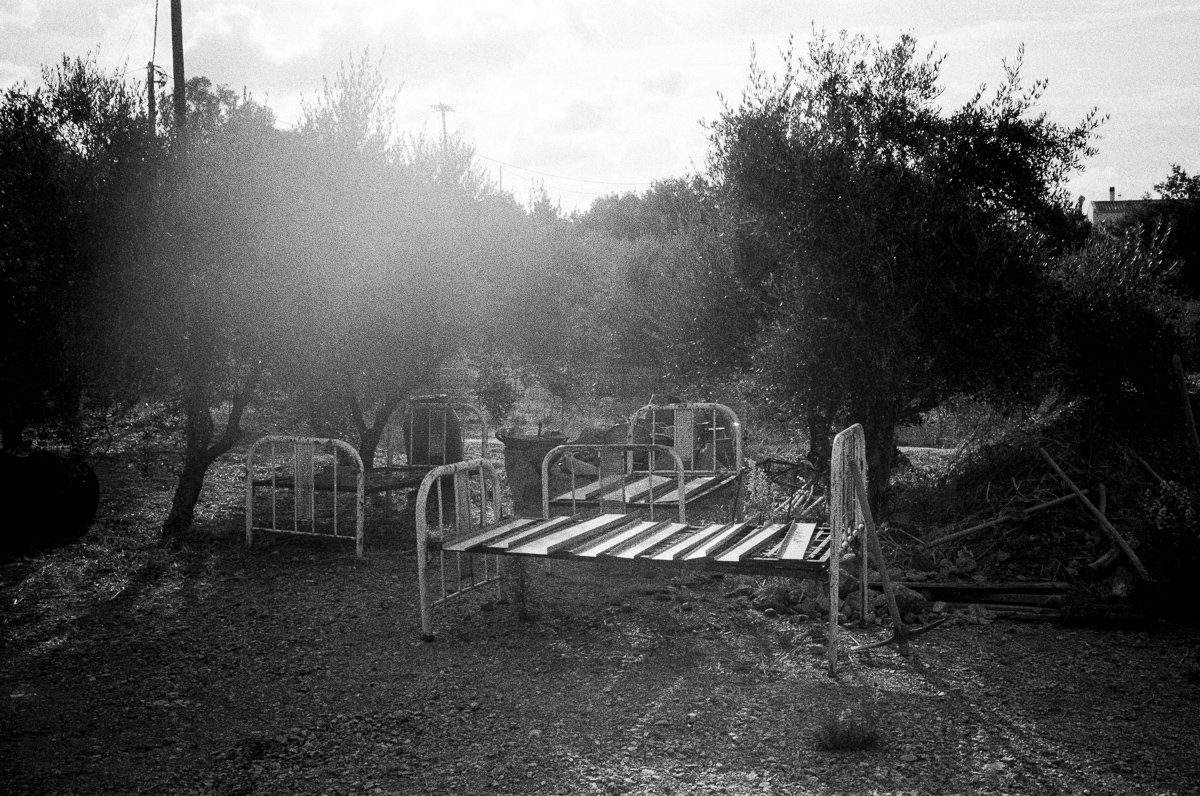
<point x="491" y="533"/>
<point x="584" y="493"/>
<point x="635" y="547"/>
<point x="716" y="541"/>
<point x="819" y="548"/>
<point x="572" y="536"/>
<point x="755" y="541"/>
<point x="690" y="543"/>
<point x="612" y="540"/>
<point x="690" y="487"/>
<point x="795" y="544"/>
<point x="528" y="533"/>
<point x="639" y="490"/>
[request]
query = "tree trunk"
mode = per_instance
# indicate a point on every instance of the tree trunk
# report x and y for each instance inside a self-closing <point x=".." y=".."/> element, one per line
<point x="187" y="494"/>
<point x="199" y="452"/>
<point x="880" y="436"/>
<point x="370" y="435"/>
<point x="820" y="440"/>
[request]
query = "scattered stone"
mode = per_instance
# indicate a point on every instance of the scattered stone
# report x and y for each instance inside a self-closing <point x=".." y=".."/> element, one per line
<point x="910" y="601"/>
<point x="964" y="563"/>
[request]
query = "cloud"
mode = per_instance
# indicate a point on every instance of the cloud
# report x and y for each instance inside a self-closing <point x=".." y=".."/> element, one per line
<point x="669" y="83"/>
<point x="278" y="33"/>
<point x="583" y="115"/>
<point x="15" y="74"/>
<point x="25" y="15"/>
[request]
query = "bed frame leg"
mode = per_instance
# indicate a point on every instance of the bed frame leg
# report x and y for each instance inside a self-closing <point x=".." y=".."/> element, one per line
<point x="835" y="569"/>
<point x="422" y="585"/>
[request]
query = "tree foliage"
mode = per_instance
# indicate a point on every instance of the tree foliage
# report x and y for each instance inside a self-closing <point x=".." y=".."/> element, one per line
<point x="668" y="207"/>
<point x="892" y="248"/>
<point x="355" y="111"/>
<point x="1173" y="224"/>
<point x="65" y="148"/>
<point x="389" y="228"/>
<point x="1116" y="322"/>
<point x="1179" y="185"/>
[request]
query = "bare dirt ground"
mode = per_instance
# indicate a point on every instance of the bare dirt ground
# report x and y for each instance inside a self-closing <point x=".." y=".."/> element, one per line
<point x="292" y="667"/>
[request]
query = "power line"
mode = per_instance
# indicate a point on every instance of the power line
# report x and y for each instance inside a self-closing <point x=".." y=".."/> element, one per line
<point x="154" y="44"/>
<point x="133" y="30"/>
<point x="557" y="176"/>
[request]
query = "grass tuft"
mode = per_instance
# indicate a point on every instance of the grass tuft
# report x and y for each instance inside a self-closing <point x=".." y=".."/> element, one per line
<point x="850" y="730"/>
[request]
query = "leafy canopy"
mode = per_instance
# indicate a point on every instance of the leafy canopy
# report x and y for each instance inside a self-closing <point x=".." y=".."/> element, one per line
<point x="891" y="248"/>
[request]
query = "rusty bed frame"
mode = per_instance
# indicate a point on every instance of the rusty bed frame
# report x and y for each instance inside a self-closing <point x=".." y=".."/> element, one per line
<point x="309" y="471"/>
<point x="469" y="551"/>
<point x="687" y="437"/>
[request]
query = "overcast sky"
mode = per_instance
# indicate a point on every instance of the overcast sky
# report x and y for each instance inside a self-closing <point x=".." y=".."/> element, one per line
<point x="597" y="97"/>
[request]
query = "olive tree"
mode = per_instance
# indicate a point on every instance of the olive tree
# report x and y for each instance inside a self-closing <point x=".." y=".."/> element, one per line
<point x="387" y="229"/>
<point x="893" y="247"/>
<point x="189" y="300"/>
<point x="66" y="148"/>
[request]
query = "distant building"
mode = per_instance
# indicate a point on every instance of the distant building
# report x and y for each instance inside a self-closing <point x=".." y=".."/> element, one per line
<point x="1114" y="210"/>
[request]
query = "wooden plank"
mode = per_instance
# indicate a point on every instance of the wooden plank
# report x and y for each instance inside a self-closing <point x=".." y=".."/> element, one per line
<point x="684" y="546"/>
<point x="583" y="493"/>
<point x="818" y="550"/>
<point x="795" y="544"/>
<point x="715" y="542"/>
<point x="597" y="533"/>
<point x="1021" y="586"/>
<point x="529" y="533"/>
<point x="616" y="495"/>
<point x="487" y="535"/>
<point x="757" y="540"/>
<point x="571" y="536"/>
<point x="690" y="487"/>
<point x="708" y="484"/>
<point x="638" y="491"/>
<point x="609" y="541"/>
<point x="632" y="548"/>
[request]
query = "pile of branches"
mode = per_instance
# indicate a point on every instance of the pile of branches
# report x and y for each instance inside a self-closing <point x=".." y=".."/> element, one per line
<point x="1061" y="499"/>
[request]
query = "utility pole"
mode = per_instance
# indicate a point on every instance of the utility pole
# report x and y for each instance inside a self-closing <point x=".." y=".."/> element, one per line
<point x="444" y="108"/>
<point x="177" y="57"/>
<point x="151" y="85"/>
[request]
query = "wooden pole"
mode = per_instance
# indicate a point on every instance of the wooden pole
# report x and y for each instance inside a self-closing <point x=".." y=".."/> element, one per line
<point x="864" y="599"/>
<point x="1113" y="551"/>
<point x="1112" y="532"/>
<point x="177" y="63"/>
<point x="1150" y="471"/>
<point x="997" y="521"/>
<point x="151" y="109"/>
<point x="860" y="488"/>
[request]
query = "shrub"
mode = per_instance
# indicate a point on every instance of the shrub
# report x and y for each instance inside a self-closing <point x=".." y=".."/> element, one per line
<point x="496" y="388"/>
<point x="850" y="730"/>
<point x="1117" y="324"/>
<point x="1169" y="539"/>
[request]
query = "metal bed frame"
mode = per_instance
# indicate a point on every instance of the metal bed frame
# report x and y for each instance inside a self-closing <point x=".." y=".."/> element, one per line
<point x="695" y="433"/>
<point x="628" y="532"/>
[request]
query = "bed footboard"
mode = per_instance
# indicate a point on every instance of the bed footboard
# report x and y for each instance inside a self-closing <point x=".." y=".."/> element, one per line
<point x="477" y="504"/>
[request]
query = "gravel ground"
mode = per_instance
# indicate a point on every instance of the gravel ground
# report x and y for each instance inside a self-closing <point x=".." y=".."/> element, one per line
<point x="295" y="668"/>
